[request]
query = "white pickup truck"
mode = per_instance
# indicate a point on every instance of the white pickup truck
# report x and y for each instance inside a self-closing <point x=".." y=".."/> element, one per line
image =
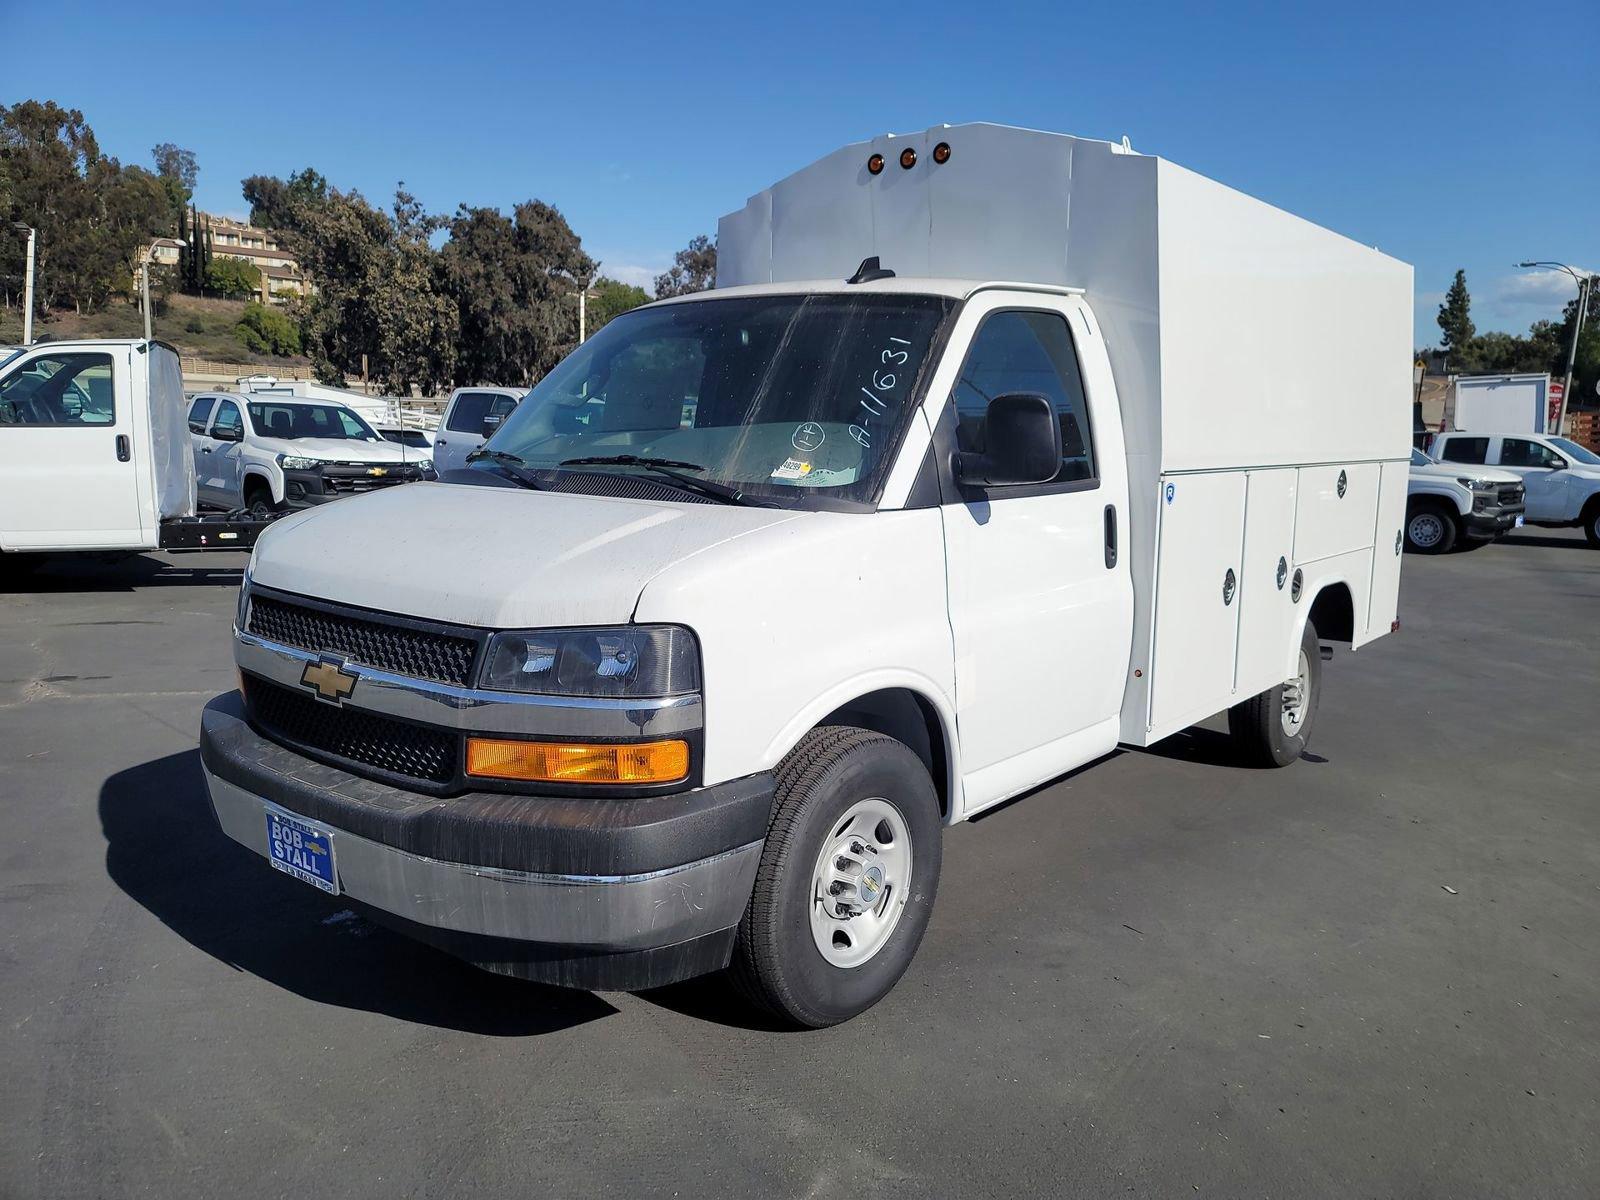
<point x="1447" y="504"/>
<point x="761" y="588"/>
<point x="1561" y="478"/>
<point x="267" y="453"/>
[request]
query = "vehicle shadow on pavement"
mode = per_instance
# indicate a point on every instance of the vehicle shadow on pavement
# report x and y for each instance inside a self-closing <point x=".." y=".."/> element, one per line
<point x="121" y="575"/>
<point x="165" y="851"/>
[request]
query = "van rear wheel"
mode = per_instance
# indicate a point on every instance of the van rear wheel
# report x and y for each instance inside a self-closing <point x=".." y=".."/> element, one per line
<point x="847" y="878"/>
<point x="1273" y="729"/>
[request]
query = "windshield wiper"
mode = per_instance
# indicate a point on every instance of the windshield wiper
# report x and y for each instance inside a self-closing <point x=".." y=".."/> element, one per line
<point x="511" y="466"/>
<point x="670" y="469"/>
<point x="630" y="460"/>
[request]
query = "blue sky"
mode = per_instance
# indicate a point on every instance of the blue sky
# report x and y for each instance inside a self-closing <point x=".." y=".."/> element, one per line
<point x="1447" y="135"/>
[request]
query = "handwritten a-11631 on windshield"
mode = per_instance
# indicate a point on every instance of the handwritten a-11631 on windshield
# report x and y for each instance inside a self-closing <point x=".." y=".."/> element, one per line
<point x="886" y="377"/>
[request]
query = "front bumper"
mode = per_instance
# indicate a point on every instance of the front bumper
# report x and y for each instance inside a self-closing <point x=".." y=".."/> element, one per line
<point x="612" y="894"/>
<point x="1491" y="522"/>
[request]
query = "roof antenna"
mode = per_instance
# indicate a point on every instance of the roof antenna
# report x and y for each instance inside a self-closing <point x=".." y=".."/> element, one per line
<point x="870" y="271"/>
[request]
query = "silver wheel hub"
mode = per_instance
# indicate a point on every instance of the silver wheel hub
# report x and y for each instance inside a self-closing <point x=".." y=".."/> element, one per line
<point x="1426" y="529"/>
<point x="1296" y="698"/>
<point x="861" y="882"/>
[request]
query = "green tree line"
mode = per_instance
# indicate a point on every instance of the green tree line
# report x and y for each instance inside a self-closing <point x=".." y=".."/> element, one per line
<point x="417" y="299"/>
<point x="1545" y="347"/>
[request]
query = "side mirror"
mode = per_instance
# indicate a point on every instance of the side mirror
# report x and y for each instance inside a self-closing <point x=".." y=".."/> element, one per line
<point x="228" y="433"/>
<point x="1558" y="463"/>
<point x="492" y="422"/>
<point x="1022" y="444"/>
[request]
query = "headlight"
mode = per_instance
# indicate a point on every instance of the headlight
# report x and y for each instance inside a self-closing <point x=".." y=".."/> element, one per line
<point x="634" y="661"/>
<point x="426" y="466"/>
<point x="291" y="462"/>
<point x="242" y="608"/>
<point x="1476" y="485"/>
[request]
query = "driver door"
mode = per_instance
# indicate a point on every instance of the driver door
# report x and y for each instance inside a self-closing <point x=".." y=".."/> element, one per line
<point x="1544" y="476"/>
<point x="222" y="461"/>
<point x="67" y="440"/>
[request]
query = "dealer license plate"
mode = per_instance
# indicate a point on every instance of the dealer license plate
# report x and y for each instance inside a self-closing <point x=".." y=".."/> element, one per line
<point x="300" y="848"/>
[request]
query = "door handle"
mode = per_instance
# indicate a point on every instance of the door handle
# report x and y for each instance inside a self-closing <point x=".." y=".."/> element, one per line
<point x="440" y="442"/>
<point x="1111" y="536"/>
<point x="205" y="449"/>
<point x="124" y="452"/>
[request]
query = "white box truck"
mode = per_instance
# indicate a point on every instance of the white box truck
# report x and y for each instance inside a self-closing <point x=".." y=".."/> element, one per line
<point x="992" y="449"/>
<point x="1499" y="403"/>
<point x="94" y="454"/>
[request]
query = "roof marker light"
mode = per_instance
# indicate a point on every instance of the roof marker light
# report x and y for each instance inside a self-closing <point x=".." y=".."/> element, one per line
<point x="908" y="158"/>
<point x="875" y="165"/>
<point x="941" y="153"/>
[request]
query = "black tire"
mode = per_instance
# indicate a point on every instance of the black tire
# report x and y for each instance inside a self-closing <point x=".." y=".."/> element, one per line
<point x="1591" y="524"/>
<point x="776" y="961"/>
<point x="1431" y="527"/>
<point x="1257" y="725"/>
<point x="258" y="503"/>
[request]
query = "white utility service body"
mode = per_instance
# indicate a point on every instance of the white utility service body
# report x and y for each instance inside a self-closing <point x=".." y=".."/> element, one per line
<point x="1209" y="497"/>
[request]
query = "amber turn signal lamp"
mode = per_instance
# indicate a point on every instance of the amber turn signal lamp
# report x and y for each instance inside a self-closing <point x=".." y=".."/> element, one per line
<point x="875" y="165"/>
<point x="578" y="762"/>
<point x="908" y="158"/>
<point x="941" y="152"/>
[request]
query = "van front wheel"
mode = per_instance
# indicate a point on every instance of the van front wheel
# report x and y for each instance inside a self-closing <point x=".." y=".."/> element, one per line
<point x="1273" y="729"/>
<point x="847" y="878"/>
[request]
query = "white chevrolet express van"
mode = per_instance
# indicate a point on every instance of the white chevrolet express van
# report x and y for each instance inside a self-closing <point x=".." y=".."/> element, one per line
<point x="759" y="589"/>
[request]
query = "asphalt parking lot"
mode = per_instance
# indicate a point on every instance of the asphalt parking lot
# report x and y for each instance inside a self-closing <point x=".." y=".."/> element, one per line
<point x="1374" y="973"/>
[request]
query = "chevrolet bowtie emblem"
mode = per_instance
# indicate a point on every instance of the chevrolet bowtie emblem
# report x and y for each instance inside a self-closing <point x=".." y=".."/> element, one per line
<point x="377" y="471"/>
<point x="329" y="678"/>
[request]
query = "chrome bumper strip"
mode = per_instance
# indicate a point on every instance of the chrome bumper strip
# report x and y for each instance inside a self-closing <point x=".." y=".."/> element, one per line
<point x="475" y="710"/>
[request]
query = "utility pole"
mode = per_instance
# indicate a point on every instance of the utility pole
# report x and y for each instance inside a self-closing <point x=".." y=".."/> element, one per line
<point x="149" y="254"/>
<point x="27" y="285"/>
<point x="1585" y="281"/>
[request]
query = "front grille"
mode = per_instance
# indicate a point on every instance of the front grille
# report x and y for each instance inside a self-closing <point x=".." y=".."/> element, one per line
<point x="1511" y="495"/>
<point x="421" y="653"/>
<point x="393" y="747"/>
<point x="358" y="477"/>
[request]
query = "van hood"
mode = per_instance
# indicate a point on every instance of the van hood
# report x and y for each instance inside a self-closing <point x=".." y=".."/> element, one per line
<point x="499" y="558"/>
<point x="341" y="449"/>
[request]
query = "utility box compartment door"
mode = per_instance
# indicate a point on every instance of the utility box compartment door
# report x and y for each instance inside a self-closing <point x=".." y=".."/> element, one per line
<point x="1196" y="598"/>
<point x="1384" y="607"/>
<point x="1334" y="510"/>
<point x="1266" y="605"/>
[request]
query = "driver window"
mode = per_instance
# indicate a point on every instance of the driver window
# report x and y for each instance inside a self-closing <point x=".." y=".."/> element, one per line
<point x="228" y="418"/>
<point x="60" y="389"/>
<point x="1026" y="352"/>
<point x="1520" y="452"/>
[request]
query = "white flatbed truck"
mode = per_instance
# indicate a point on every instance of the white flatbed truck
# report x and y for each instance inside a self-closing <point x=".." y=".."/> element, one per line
<point x="991" y="450"/>
<point x="95" y="457"/>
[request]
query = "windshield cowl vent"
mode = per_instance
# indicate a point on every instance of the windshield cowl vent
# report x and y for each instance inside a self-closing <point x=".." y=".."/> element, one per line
<point x="870" y="271"/>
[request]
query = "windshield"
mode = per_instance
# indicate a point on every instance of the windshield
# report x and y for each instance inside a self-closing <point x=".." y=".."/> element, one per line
<point x="1576" y="452"/>
<point x="284" y="419"/>
<point x="784" y="398"/>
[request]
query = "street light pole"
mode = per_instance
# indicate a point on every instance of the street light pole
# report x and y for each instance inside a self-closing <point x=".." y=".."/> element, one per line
<point x="1584" y="280"/>
<point x="27" y="286"/>
<point x="149" y="254"/>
